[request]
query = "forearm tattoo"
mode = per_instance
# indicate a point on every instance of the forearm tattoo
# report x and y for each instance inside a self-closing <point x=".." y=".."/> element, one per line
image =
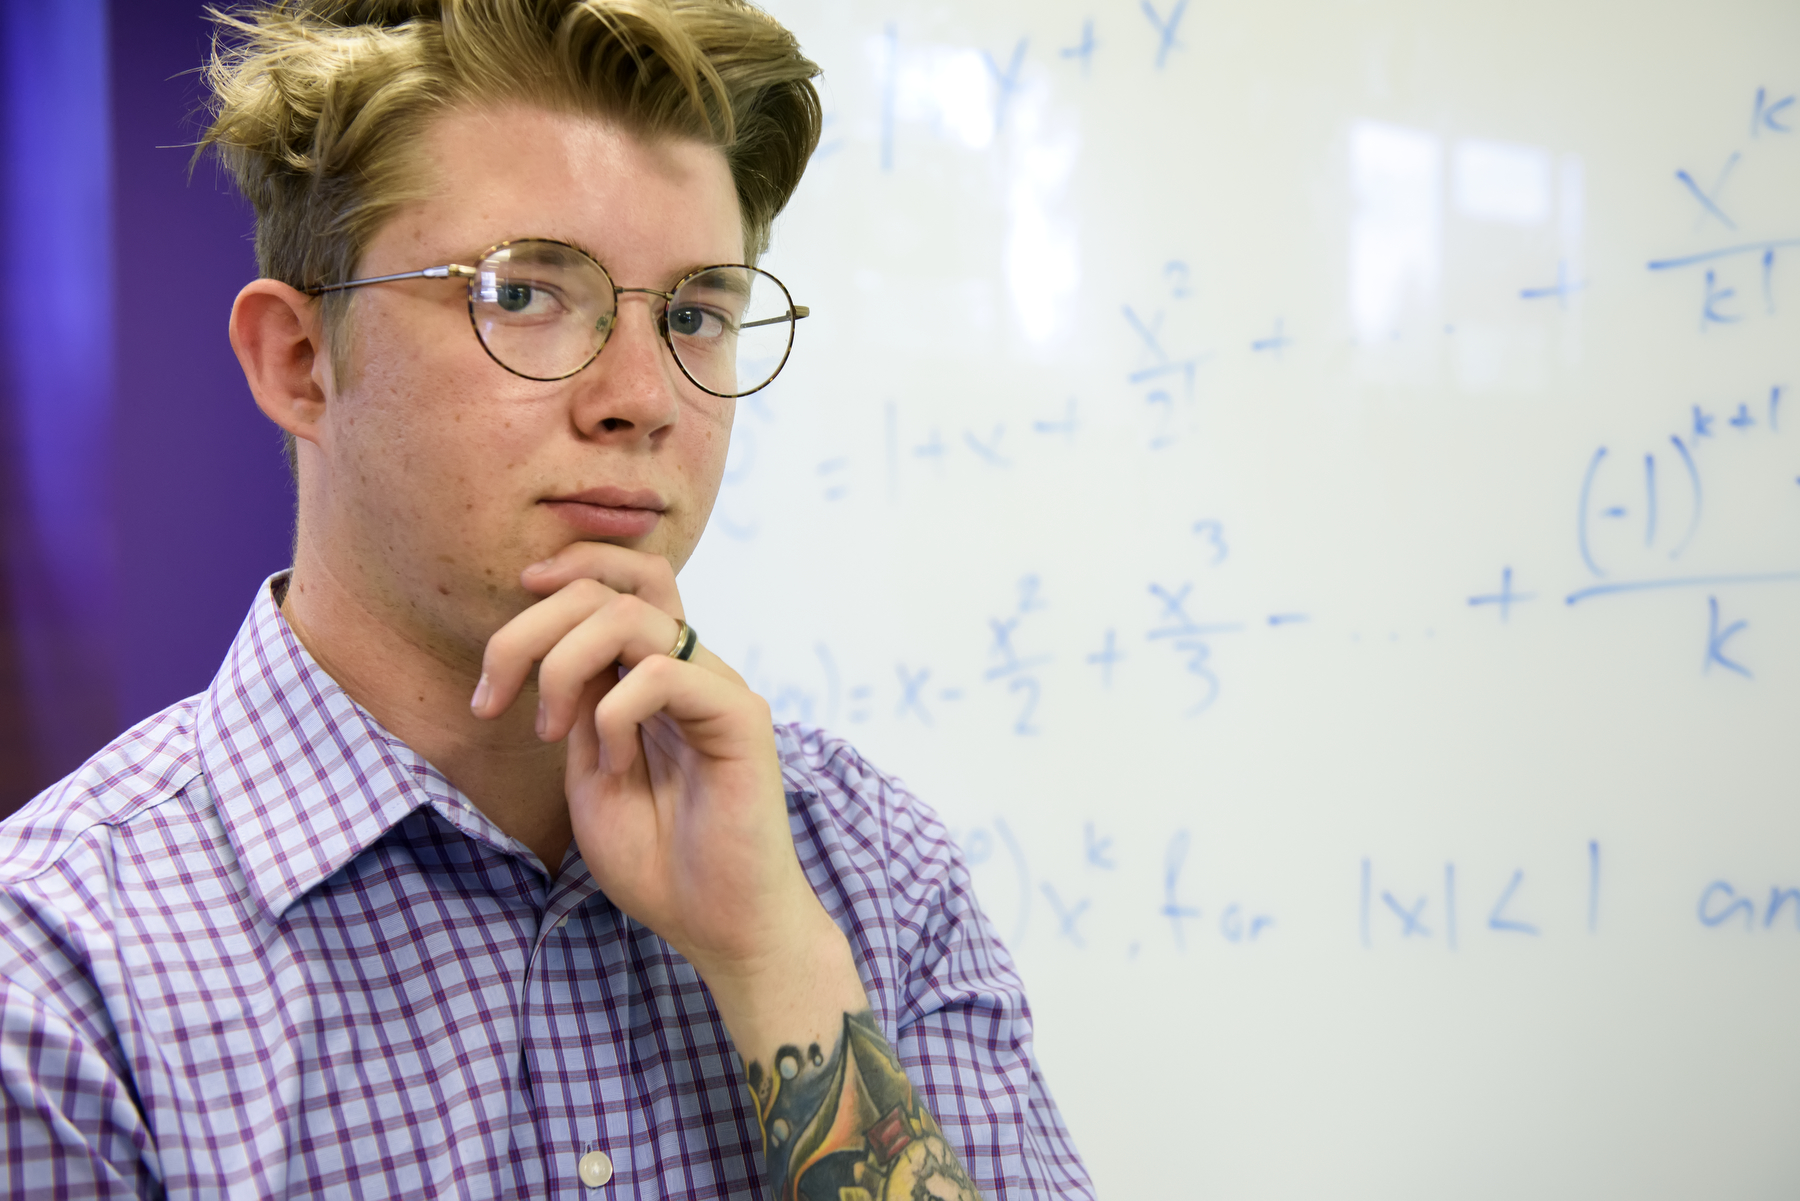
<point x="847" y="1127"/>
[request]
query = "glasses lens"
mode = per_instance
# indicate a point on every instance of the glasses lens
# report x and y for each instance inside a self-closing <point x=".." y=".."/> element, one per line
<point x="542" y="309"/>
<point x="731" y="328"/>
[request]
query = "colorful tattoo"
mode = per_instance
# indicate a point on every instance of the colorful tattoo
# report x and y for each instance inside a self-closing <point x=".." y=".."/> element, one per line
<point x="848" y="1128"/>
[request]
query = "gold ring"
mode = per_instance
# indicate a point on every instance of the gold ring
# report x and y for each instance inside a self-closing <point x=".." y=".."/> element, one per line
<point x="685" y="641"/>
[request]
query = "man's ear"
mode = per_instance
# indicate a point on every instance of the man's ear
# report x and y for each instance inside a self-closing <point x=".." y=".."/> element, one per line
<point x="279" y="337"/>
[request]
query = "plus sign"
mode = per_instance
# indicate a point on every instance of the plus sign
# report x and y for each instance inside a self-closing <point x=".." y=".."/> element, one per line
<point x="1560" y="289"/>
<point x="1106" y="657"/>
<point x="1085" y="51"/>
<point x="1276" y="342"/>
<point x="1505" y="598"/>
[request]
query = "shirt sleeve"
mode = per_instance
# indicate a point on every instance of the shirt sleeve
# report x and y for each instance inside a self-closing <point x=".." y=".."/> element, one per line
<point x="941" y="984"/>
<point x="69" y="1121"/>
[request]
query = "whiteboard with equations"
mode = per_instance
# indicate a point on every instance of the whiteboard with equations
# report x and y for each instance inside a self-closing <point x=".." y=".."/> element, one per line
<point x="1311" y="494"/>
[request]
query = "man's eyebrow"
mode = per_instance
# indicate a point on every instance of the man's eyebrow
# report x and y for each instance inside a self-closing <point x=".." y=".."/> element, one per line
<point x="589" y="251"/>
<point x="717" y="276"/>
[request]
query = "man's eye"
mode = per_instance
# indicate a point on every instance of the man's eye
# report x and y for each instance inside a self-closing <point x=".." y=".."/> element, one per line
<point x="524" y="297"/>
<point x="692" y="322"/>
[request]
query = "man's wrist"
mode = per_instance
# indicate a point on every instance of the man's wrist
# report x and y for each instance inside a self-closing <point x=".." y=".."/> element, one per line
<point x="799" y="991"/>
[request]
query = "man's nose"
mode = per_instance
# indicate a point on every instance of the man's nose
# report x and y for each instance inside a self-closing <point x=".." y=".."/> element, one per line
<point x="631" y="390"/>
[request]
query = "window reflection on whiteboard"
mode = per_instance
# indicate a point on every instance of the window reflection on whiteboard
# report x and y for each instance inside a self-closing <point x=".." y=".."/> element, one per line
<point x="1043" y="249"/>
<point x="1501" y="181"/>
<point x="1396" y="226"/>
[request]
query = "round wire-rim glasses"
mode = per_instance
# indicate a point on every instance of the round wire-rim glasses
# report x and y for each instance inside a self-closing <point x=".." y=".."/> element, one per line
<point x="543" y="309"/>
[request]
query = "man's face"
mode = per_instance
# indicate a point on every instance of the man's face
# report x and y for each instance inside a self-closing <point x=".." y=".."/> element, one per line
<point x="443" y="475"/>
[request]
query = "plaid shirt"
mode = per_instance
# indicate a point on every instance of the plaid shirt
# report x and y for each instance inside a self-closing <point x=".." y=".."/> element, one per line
<point x="259" y="947"/>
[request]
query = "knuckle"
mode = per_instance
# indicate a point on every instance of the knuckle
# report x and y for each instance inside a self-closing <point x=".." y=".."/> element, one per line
<point x="633" y="609"/>
<point x="587" y="590"/>
<point x="552" y="677"/>
<point x="501" y="648"/>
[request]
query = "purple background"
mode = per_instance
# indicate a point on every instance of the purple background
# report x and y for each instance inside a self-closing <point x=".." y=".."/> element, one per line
<point x="142" y="496"/>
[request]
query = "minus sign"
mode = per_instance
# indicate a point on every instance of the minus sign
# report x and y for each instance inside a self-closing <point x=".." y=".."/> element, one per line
<point x="1284" y="619"/>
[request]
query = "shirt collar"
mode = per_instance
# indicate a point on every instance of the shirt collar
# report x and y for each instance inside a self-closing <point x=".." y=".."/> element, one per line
<point x="303" y="777"/>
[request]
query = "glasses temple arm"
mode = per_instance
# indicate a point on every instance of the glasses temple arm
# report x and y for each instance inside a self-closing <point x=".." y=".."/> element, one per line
<point x="794" y="314"/>
<point x="451" y="270"/>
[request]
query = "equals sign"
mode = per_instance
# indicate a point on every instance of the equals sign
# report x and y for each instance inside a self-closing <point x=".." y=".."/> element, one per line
<point x="860" y="696"/>
<point x="831" y="467"/>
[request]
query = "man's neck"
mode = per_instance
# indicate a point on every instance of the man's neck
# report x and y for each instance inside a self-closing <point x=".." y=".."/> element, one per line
<point x="420" y="694"/>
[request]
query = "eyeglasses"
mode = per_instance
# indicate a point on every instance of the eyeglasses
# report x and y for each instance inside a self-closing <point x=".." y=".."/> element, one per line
<point x="543" y="310"/>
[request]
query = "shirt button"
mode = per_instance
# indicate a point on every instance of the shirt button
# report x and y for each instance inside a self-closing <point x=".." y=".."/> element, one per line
<point x="595" y="1169"/>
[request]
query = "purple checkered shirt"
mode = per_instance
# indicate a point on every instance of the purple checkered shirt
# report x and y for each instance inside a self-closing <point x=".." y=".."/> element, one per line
<point x="259" y="947"/>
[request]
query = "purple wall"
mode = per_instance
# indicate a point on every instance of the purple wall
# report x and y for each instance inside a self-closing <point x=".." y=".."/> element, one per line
<point x="142" y="495"/>
<point x="201" y="495"/>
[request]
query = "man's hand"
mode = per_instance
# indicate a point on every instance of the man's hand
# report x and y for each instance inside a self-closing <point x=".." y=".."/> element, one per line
<point x="676" y="799"/>
<point x="674" y="787"/>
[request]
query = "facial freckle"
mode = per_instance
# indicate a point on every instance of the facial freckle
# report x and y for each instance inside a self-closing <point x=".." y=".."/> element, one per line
<point x="450" y="559"/>
<point x="444" y="589"/>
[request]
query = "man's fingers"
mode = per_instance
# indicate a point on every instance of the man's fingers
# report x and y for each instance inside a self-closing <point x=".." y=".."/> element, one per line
<point x="717" y="718"/>
<point x="620" y="568"/>
<point x="627" y="630"/>
<point x="608" y="605"/>
<point x="527" y="638"/>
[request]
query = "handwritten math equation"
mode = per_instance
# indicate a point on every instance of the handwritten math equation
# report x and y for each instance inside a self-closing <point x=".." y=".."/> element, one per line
<point x="1164" y="371"/>
<point x="1643" y="514"/>
<point x="1175" y="636"/>
<point x="1455" y="906"/>
<point x="1737" y="279"/>
<point x="1638" y="515"/>
<point x="1647" y="519"/>
<point x="1452" y="909"/>
<point x="1155" y="38"/>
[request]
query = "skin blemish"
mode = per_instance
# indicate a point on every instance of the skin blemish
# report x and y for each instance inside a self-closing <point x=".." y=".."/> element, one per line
<point x="444" y="589"/>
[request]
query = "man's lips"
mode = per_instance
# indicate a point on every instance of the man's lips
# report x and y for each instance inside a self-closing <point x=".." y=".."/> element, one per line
<point x="608" y="512"/>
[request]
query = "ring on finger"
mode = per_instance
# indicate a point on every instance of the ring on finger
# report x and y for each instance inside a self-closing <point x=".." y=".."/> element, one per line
<point x="686" y="639"/>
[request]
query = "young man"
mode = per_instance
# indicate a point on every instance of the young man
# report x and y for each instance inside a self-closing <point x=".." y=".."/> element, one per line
<point x="472" y="870"/>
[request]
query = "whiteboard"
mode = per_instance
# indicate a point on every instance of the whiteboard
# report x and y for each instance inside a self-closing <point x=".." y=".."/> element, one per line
<point x="1311" y="493"/>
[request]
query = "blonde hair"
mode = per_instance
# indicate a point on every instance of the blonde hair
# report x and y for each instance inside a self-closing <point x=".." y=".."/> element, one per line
<point x="318" y="105"/>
